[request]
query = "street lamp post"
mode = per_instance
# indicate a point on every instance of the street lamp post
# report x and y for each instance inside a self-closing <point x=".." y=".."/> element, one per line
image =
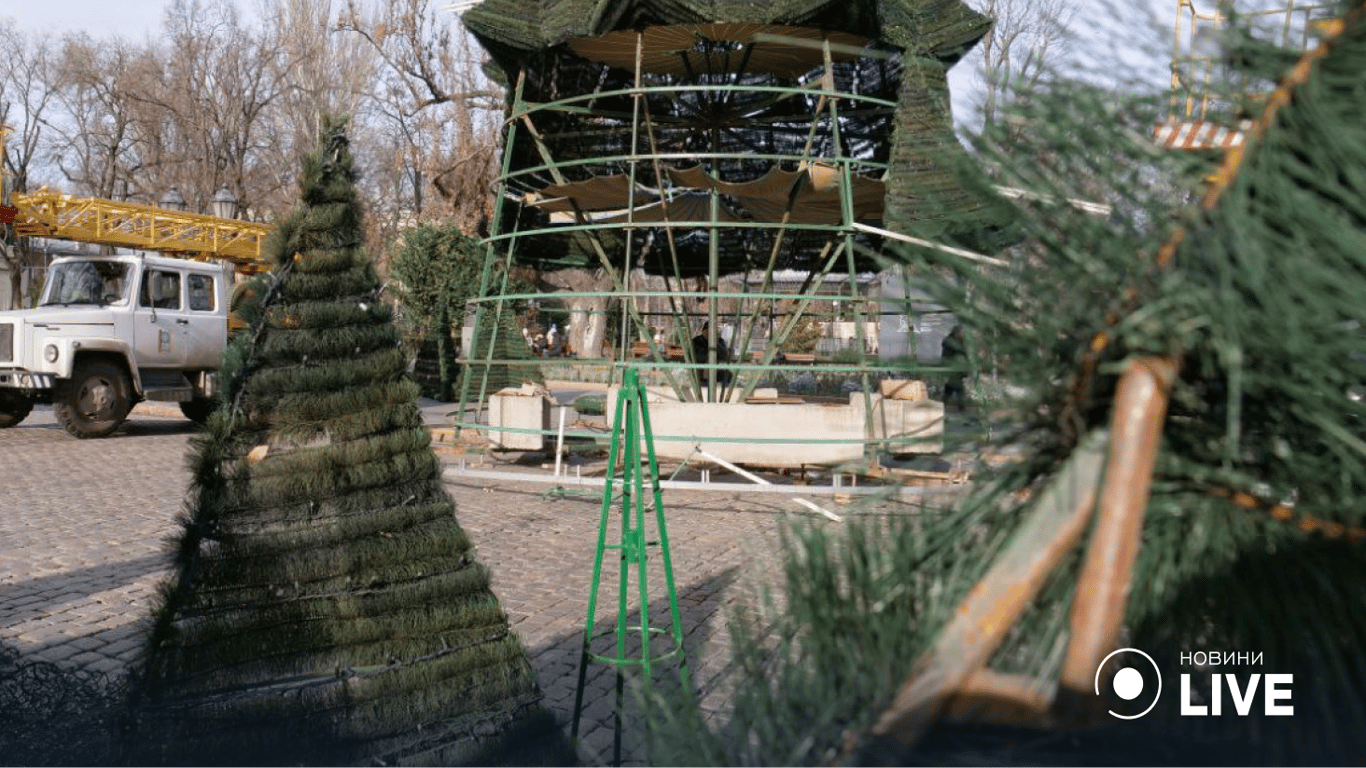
<point x="173" y="200"/>
<point x="224" y="203"/>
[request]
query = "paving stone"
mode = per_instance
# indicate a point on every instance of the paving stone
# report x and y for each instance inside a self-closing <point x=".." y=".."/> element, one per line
<point x="128" y="655"/>
<point x="87" y="658"/>
<point x="87" y="642"/>
<point x="59" y="653"/>
<point x="83" y="557"/>
<point x="114" y="667"/>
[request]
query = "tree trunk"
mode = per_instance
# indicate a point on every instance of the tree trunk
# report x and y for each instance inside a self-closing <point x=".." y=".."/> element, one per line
<point x="446" y="376"/>
<point x="15" y="259"/>
<point x="587" y="326"/>
<point x="16" y="280"/>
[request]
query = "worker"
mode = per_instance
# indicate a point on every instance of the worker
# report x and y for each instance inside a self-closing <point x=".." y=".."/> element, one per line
<point x="954" y="352"/>
<point x="700" y="347"/>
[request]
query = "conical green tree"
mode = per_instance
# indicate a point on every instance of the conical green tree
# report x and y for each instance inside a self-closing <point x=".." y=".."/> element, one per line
<point x="326" y="607"/>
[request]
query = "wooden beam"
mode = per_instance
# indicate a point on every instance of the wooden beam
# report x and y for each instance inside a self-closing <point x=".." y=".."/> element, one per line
<point x="1106" y="576"/>
<point x="981" y="622"/>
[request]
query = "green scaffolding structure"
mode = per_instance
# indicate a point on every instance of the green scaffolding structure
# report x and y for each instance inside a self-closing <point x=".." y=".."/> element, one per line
<point x="669" y="147"/>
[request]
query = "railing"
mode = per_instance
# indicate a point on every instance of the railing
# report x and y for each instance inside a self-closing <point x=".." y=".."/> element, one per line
<point x="1211" y="102"/>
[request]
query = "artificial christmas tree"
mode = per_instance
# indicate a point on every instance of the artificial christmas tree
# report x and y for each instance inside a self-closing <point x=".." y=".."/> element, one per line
<point x="326" y="607"/>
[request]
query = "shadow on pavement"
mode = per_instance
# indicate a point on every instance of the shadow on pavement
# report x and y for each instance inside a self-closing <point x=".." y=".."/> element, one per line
<point x="50" y="715"/>
<point x="557" y="667"/>
<point x="74" y="585"/>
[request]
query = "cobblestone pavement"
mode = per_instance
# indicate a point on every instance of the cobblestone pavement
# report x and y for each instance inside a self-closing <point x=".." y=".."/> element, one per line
<point x="82" y="527"/>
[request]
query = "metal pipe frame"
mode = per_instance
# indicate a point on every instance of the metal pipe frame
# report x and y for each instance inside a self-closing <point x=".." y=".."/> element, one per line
<point x="843" y="242"/>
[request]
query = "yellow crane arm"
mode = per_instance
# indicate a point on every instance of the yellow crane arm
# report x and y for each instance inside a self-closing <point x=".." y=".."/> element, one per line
<point x="130" y="225"/>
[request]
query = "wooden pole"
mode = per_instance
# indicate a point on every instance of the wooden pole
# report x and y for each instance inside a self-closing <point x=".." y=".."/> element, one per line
<point x="1107" y="574"/>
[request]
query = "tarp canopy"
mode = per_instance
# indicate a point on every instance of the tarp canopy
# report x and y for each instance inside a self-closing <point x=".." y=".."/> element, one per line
<point x="681" y="49"/>
<point x="741" y="88"/>
<point x="684" y="207"/>
<point x="808" y="196"/>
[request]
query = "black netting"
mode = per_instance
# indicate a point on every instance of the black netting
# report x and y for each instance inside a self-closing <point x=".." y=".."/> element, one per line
<point x="51" y="715"/>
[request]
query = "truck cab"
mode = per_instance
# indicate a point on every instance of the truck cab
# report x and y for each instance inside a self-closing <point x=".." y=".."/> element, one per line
<point x="111" y="331"/>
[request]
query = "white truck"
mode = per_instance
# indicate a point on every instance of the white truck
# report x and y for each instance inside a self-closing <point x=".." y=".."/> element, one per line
<point x="110" y="331"/>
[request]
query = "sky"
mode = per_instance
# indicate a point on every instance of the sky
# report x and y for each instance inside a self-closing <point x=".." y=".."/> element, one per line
<point x="133" y="19"/>
<point x="137" y="19"/>
<point x="1114" y="38"/>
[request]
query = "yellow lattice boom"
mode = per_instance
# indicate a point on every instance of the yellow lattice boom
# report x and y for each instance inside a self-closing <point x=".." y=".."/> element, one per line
<point x="1210" y="106"/>
<point x="144" y="227"/>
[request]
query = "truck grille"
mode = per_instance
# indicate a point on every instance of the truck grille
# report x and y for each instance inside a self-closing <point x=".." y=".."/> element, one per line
<point x="6" y="342"/>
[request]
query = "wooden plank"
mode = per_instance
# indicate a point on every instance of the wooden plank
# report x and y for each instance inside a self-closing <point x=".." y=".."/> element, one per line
<point x="981" y="622"/>
<point x="923" y="474"/>
<point x="1103" y="589"/>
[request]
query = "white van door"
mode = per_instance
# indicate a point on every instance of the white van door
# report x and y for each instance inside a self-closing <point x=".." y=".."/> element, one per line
<point x="160" y="322"/>
<point x="206" y="330"/>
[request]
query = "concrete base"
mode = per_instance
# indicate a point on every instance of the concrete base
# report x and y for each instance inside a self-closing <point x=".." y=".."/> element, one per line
<point x="829" y="433"/>
<point x="526" y="407"/>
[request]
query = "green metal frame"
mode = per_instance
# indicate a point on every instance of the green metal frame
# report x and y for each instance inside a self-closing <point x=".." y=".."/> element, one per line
<point x="631" y="432"/>
<point x="643" y="160"/>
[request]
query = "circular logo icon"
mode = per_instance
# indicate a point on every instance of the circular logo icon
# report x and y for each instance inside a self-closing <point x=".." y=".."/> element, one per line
<point x="1134" y="681"/>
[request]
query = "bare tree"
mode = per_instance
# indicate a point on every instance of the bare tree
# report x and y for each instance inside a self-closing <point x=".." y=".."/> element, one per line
<point x="28" y="87"/>
<point x="328" y="72"/>
<point x="200" y="102"/>
<point x="587" y="314"/>
<point x="441" y="115"/>
<point x="1017" y="50"/>
<point x="218" y="99"/>
<point x="93" y="141"/>
<point x="323" y="72"/>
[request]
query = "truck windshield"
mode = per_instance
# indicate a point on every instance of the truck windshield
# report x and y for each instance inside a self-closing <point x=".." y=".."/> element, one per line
<point x="88" y="282"/>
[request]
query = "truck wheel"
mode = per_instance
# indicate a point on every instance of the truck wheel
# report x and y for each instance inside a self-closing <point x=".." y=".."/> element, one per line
<point x="94" y="402"/>
<point x="14" y="408"/>
<point x="198" y="409"/>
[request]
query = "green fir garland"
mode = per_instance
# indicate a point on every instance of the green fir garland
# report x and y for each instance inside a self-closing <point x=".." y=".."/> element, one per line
<point x="1254" y="539"/>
